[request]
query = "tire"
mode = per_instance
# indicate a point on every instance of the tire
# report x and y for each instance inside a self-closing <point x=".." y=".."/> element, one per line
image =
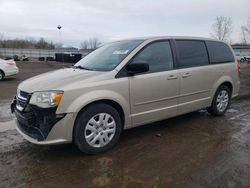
<point x="102" y="124"/>
<point x="1" y="75"/>
<point x="221" y="101"/>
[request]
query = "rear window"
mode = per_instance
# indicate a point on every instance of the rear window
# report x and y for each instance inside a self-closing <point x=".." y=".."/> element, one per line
<point x="219" y="52"/>
<point x="192" y="53"/>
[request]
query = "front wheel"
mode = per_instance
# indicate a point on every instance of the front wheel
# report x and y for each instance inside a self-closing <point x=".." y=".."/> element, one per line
<point x="98" y="128"/>
<point x="1" y="75"/>
<point x="221" y="101"/>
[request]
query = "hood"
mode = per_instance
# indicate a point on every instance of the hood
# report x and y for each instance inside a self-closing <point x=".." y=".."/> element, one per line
<point x="56" y="80"/>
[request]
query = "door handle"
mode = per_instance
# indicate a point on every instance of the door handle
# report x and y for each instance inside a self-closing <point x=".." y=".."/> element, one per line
<point x="186" y="75"/>
<point x="172" y="77"/>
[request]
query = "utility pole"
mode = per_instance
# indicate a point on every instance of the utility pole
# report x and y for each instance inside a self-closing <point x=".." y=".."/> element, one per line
<point x="59" y="27"/>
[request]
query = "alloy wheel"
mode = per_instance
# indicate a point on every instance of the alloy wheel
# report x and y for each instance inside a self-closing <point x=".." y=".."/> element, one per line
<point x="222" y="100"/>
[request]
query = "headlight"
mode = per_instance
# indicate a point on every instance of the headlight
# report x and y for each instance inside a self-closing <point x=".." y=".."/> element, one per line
<point x="46" y="99"/>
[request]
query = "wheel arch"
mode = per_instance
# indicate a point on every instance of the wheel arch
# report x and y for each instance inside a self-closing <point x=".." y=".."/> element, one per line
<point x="110" y="102"/>
<point x="227" y="81"/>
<point x="213" y="109"/>
<point x="79" y="135"/>
<point x="228" y="84"/>
<point x="1" y="70"/>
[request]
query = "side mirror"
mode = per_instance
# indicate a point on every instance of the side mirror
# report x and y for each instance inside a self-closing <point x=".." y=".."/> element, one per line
<point x="137" y="67"/>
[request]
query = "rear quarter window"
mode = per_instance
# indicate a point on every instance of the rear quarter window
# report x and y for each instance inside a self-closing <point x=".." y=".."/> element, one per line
<point x="219" y="52"/>
<point x="192" y="53"/>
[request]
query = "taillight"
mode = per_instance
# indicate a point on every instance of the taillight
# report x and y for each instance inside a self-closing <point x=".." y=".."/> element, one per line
<point x="12" y="63"/>
<point x="238" y="69"/>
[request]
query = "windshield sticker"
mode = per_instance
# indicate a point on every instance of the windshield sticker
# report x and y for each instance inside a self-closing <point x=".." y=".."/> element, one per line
<point x="120" y="52"/>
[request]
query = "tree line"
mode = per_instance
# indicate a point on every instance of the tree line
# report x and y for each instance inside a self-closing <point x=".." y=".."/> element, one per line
<point x="91" y="43"/>
<point x="26" y="43"/>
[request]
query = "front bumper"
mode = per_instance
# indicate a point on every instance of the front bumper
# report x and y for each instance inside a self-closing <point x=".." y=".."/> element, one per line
<point x="45" y="142"/>
<point x="43" y="126"/>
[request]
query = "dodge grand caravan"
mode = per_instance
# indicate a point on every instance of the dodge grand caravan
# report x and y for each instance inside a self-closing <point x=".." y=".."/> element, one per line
<point x="126" y="84"/>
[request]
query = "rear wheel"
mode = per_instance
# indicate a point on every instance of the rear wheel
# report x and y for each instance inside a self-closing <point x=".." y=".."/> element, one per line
<point x="221" y="101"/>
<point x="1" y="75"/>
<point x="98" y="128"/>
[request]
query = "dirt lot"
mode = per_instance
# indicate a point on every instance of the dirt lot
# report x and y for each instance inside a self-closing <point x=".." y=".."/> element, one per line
<point x="27" y="70"/>
<point x="194" y="150"/>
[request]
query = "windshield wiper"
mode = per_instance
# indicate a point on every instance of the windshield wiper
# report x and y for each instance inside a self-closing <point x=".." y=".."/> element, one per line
<point x="84" y="68"/>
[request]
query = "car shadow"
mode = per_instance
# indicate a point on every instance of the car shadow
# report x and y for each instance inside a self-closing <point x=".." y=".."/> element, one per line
<point x="7" y="79"/>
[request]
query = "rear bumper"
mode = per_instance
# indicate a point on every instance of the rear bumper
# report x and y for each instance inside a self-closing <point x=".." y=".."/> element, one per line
<point x="12" y="71"/>
<point x="236" y="89"/>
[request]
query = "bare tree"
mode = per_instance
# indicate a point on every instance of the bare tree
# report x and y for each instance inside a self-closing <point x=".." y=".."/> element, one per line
<point x="84" y="44"/>
<point x="222" y="28"/>
<point x="1" y="36"/>
<point x="245" y="32"/>
<point x="243" y="35"/>
<point x="91" y="43"/>
<point x="1" y="40"/>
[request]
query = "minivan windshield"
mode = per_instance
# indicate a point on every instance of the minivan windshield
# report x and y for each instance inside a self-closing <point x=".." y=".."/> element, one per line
<point x="107" y="57"/>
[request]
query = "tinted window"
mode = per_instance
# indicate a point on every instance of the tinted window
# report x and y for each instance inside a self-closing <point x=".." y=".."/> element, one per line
<point x="191" y="53"/>
<point x="219" y="52"/>
<point x="158" y="55"/>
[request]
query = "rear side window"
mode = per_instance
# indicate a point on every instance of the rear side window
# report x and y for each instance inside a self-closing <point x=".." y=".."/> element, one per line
<point x="191" y="53"/>
<point x="219" y="52"/>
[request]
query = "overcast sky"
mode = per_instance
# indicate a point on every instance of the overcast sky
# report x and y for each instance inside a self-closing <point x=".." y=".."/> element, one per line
<point x="116" y="19"/>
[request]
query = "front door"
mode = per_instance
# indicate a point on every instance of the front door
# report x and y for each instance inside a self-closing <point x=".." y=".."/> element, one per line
<point x="154" y="94"/>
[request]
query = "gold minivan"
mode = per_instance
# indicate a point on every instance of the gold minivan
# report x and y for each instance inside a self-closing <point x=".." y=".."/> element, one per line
<point x="126" y="84"/>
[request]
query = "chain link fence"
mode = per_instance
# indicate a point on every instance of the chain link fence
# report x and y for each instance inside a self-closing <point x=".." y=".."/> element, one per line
<point x="37" y="53"/>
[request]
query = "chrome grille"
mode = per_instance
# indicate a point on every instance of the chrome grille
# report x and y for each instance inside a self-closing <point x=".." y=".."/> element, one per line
<point x="21" y="99"/>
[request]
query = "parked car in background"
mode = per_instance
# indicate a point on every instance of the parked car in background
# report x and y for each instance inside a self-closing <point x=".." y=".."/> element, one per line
<point x="126" y="84"/>
<point x="24" y="58"/>
<point x="242" y="58"/>
<point x="247" y="58"/>
<point x="7" y="68"/>
<point x="239" y="57"/>
<point x="21" y="58"/>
